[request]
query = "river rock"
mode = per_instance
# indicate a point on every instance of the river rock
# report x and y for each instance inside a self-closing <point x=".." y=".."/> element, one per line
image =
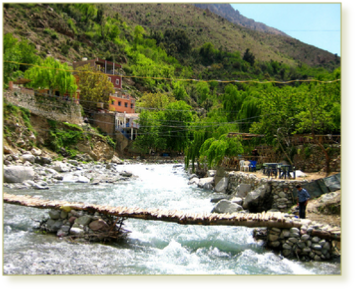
<point x="274" y="244"/>
<point x="327" y="246"/>
<point x="46" y="160"/>
<point x="72" y="219"/>
<point x="204" y="181"/>
<point x="255" y="198"/>
<point x="74" y="230"/>
<point x="116" y="160"/>
<point x="73" y="162"/>
<point x="18" y="174"/>
<point x="192" y="176"/>
<point x="28" y="157"/>
<point x="60" y="166"/>
<point x="39" y="187"/>
<point x="54" y="225"/>
<point x="125" y="173"/>
<point x="226" y="206"/>
<point x="98" y="225"/>
<point x="237" y="200"/>
<point x="273" y="238"/>
<point x="36" y="152"/>
<point x="305" y="237"/>
<point x="83" y="179"/>
<point x="194" y="180"/>
<point x="83" y="220"/>
<point x="208" y="186"/>
<point x="222" y="185"/>
<point x="7" y="150"/>
<point x="55" y="214"/>
<point x="218" y="198"/>
<point x="64" y="214"/>
<point x="315" y="239"/>
<point x="242" y="190"/>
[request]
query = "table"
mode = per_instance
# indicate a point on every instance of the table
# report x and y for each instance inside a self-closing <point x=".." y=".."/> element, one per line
<point x="270" y="169"/>
<point x="286" y="170"/>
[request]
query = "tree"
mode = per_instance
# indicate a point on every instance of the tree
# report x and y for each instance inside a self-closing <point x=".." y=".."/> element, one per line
<point x="94" y="86"/>
<point x="15" y="53"/>
<point x="149" y="134"/>
<point x="179" y="91"/>
<point x="154" y="101"/>
<point x="318" y="117"/>
<point x="52" y="75"/>
<point x="175" y="129"/>
<point x="249" y="57"/>
<point x="214" y="150"/>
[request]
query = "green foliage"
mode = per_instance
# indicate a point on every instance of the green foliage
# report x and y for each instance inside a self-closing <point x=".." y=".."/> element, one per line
<point x="52" y="75"/>
<point x="94" y="86"/>
<point x="214" y="150"/>
<point x="15" y="53"/>
<point x="64" y="136"/>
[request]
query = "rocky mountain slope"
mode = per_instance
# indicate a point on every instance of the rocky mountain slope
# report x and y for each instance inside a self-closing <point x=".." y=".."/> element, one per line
<point x="234" y="16"/>
<point x="55" y="33"/>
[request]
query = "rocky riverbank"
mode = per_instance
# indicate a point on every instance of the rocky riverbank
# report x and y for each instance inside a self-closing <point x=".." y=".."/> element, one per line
<point x="244" y="192"/>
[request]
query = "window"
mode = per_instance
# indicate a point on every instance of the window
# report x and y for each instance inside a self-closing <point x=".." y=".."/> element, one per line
<point x="131" y="106"/>
<point x="117" y="82"/>
<point x="112" y="102"/>
<point x="119" y="103"/>
<point x="125" y="105"/>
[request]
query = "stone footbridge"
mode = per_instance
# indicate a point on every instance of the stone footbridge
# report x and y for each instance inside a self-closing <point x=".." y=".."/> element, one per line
<point x="252" y="220"/>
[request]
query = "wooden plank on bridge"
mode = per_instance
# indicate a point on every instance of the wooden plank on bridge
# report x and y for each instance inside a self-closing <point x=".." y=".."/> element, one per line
<point x="269" y="219"/>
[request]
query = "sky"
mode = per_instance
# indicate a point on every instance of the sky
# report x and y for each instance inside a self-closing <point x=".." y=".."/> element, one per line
<point x="315" y="24"/>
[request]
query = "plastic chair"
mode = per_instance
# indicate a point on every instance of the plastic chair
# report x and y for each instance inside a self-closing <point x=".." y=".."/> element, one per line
<point x="253" y="165"/>
<point x="246" y="166"/>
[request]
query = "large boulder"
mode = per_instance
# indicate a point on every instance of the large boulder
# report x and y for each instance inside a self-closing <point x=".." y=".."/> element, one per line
<point x="28" y="157"/>
<point x="242" y="190"/>
<point x="222" y="185"/>
<point x="83" y="179"/>
<point x="194" y="180"/>
<point x="116" y="160"/>
<point x="226" y="206"/>
<point x="258" y="200"/>
<point x="18" y="174"/>
<point x="60" y="166"/>
<point x="206" y="182"/>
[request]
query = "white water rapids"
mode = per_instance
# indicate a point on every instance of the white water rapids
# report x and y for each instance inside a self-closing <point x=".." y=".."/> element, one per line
<point x="152" y="247"/>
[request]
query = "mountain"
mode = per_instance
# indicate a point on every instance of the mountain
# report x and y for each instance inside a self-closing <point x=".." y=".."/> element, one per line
<point x="231" y="32"/>
<point x="61" y="31"/>
<point x="234" y="16"/>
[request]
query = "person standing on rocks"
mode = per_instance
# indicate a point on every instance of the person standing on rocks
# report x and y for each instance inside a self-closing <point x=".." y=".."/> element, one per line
<point x="303" y="197"/>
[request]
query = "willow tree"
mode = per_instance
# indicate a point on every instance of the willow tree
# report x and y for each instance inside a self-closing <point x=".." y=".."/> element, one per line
<point x="94" y="86"/>
<point x="192" y="151"/>
<point x="53" y="75"/>
<point x="214" y="150"/>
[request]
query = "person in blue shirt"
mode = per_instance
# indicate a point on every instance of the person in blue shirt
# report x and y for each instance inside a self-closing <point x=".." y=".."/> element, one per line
<point x="303" y="197"/>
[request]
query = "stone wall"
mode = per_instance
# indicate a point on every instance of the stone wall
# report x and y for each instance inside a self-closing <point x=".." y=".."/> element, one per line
<point x="300" y="243"/>
<point x="55" y="108"/>
<point x="281" y="190"/>
<point x="106" y="122"/>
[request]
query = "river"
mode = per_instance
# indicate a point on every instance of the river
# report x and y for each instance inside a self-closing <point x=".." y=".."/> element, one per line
<point x="152" y="247"/>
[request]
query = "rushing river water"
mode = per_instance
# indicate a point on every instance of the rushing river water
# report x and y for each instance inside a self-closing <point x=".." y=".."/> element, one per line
<point x="152" y="247"/>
